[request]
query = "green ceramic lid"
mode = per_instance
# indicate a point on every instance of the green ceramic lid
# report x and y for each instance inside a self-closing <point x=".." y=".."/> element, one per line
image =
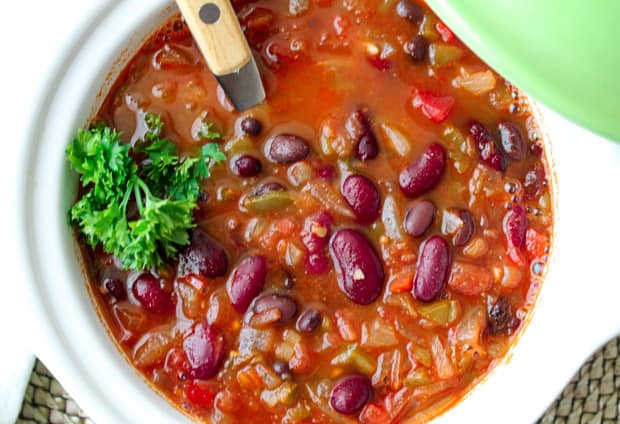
<point x="565" y="53"/>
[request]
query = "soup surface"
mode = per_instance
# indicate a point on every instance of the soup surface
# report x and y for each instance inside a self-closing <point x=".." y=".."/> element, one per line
<point x="374" y="240"/>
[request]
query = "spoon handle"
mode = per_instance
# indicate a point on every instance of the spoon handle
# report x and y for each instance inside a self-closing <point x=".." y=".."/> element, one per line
<point x="215" y="28"/>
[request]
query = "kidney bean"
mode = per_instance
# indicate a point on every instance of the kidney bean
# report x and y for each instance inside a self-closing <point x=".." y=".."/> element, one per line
<point x="251" y="126"/>
<point x="246" y="166"/>
<point x="316" y="231"/>
<point x="286" y="305"/>
<point x="360" y="272"/>
<point x="416" y="48"/>
<point x="267" y="188"/>
<point x="515" y="226"/>
<point x="326" y="172"/>
<point x="433" y="267"/>
<point x="148" y="291"/>
<point x="116" y="288"/>
<point x="317" y="263"/>
<point x="425" y="173"/>
<point x="203" y="256"/>
<point x="488" y="152"/>
<point x="512" y="140"/>
<point x="205" y="349"/>
<point x="419" y="218"/>
<point x="246" y="282"/>
<point x="350" y="393"/>
<point x="466" y="231"/>
<point x="309" y="321"/>
<point x="409" y="10"/>
<point x="534" y="182"/>
<point x="287" y="148"/>
<point x="359" y="129"/>
<point x="362" y="197"/>
<point x="500" y="318"/>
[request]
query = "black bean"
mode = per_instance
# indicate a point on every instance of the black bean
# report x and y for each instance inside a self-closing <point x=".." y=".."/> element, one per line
<point x="116" y="288"/>
<point x="416" y="48"/>
<point x="409" y="10"/>
<point x="287" y="148"/>
<point x="512" y="140"/>
<point x="281" y="368"/>
<point x="246" y="166"/>
<point x="309" y="321"/>
<point x="500" y="318"/>
<point x="251" y="126"/>
<point x="466" y="231"/>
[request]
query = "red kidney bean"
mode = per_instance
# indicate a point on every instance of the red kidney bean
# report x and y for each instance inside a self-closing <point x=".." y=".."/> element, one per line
<point x="433" y="268"/>
<point x="515" y="226"/>
<point x="251" y="126"/>
<point x="326" y="172"/>
<point x="534" y="182"/>
<point x="205" y="349"/>
<point x="464" y="234"/>
<point x="359" y="129"/>
<point x="488" y="151"/>
<point x="148" y="291"/>
<point x="203" y="256"/>
<point x="317" y="263"/>
<point x="268" y="187"/>
<point x="360" y="272"/>
<point x="362" y="197"/>
<point x="416" y="48"/>
<point x="316" y="231"/>
<point x="309" y="321"/>
<point x="246" y="282"/>
<point x="286" y="305"/>
<point x="116" y="288"/>
<point x="419" y="218"/>
<point x="350" y="393"/>
<point x="409" y="10"/>
<point x="246" y="166"/>
<point x="512" y="140"/>
<point x="287" y="148"/>
<point x="425" y="173"/>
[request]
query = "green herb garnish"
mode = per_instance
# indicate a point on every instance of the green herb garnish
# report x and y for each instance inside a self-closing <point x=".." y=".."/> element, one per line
<point x="165" y="191"/>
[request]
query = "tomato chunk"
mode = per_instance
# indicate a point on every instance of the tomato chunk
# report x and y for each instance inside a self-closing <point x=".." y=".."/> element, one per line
<point x="200" y="394"/>
<point x="446" y="34"/>
<point x="436" y="108"/>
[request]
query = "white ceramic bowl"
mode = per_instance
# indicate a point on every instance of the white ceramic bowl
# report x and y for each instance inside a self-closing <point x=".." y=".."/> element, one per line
<point x="577" y="308"/>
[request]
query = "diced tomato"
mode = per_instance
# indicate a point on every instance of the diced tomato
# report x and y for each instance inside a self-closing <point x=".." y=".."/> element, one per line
<point x="342" y="25"/>
<point x="402" y="283"/>
<point x="535" y="244"/>
<point x="200" y="394"/>
<point x="446" y="34"/>
<point x="374" y="414"/>
<point x="436" y="108"/>
<point x="196" y="281"/>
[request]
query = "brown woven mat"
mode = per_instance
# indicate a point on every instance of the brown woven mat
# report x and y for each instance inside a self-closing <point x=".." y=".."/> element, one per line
<point x="591" y="397"/>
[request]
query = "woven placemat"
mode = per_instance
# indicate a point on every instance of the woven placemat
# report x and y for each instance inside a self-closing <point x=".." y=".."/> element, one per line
<point x="591" y="397"/>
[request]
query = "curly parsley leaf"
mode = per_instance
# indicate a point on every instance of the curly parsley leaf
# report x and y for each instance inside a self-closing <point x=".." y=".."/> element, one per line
<point x="165" y="191"/>
<point x="207" y="131"/>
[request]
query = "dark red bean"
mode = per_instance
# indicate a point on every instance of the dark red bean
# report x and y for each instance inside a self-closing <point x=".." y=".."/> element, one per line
<point x="433" y="268"/>
<point x="534" y="182"/>
<point x="285" y="304"/>
<point x="350" y="393"/>
<point x="246" y="282"/>
<point x="359" y="129"/>
<point x="466" y="231"/>
<point x="116" y="288"/>
<point x="246" y="166"/>
<point x="309" y="321"/>
<point x="512" y="140"/>
<point x="281" y="368"/>
<point x="203" y="256"/>
<point x="205" y="349"/>
<point x="316" y="231"/>
<point x="419" y="218"/>
<point x="317" y="263"/>
<point x="500" y="318"/>
<point x="287" y="148"/>
<point x="251" y="126"/>
<point x="425" y="173"/>
<point x="326" y="172"/>
<point x="360" y="272"/>
<point x="488" y="151"/>
<point x="148" y="291"/>
<point x="268" y="187"/>
<point x="515" y="226"/>
<point x="362" y="197"/>
<point x="416" y="48"/>
<point x="409" y="10"/>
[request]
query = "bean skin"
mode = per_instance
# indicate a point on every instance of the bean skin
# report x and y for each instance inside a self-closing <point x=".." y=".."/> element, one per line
<point x="419" y="218"/>
<point x="350" y="393"/>
<point x="465" y="233"/>
<point x="205" y="349"/>
<point x="433" y="268"/>
<point x="425" y="173"/>
<point x="363" y="198"/>
<point x="203" y="256"/>
<point x="287" y="148"/>
<point x="246" y="166"/>
<point x="148" y="291"/>
<point x="360" y="272"/>
<point x="246" y="282"/>
<point x="251" y="126"/>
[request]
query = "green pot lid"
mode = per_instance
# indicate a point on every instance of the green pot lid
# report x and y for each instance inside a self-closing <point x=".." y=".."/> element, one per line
<point x="565" y="53"/>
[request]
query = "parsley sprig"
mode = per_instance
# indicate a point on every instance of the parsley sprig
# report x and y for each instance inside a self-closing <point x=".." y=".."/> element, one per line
<point x="165" y="190"/>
